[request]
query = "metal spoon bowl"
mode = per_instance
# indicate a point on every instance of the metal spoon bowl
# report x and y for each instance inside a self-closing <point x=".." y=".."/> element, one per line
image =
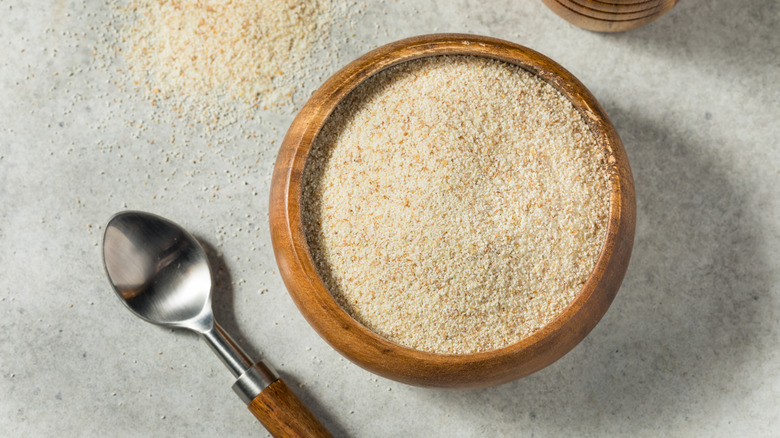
<point x="160" y="271"/>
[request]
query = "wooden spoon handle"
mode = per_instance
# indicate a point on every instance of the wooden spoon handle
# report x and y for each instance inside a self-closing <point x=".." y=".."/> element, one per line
<point x="284" y="414"/>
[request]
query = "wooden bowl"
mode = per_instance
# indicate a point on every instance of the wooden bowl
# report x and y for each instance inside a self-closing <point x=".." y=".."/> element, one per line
<point x="609" y="15"/>
<point x="407" y="365"/>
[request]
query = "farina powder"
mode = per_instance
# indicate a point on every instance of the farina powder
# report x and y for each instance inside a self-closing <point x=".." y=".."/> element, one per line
<point x="455" y="204"/>
<point x="203" y="52"/>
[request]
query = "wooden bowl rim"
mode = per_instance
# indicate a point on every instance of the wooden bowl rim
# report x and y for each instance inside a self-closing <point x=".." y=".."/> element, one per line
<point x="360" y="344"/>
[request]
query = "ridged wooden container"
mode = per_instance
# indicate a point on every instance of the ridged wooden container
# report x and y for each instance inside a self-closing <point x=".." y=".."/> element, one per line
<point x="386" y="358"/>
<point x="610" y="15"/>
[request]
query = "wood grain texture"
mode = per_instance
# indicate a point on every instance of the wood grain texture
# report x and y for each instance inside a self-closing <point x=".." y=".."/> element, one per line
<point x="284" y="415"/>
<point x="610" y="15"/>
<point x="391" y="360"/>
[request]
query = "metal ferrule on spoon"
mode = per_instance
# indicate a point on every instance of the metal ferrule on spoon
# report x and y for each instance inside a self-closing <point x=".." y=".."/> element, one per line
<point x="252" y="378"/>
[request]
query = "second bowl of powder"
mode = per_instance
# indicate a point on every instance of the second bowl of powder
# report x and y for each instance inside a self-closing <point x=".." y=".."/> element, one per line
<point x="453" y="205"/>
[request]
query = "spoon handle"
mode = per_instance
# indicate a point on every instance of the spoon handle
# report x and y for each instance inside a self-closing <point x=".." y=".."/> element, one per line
<point x="284" y="414"/>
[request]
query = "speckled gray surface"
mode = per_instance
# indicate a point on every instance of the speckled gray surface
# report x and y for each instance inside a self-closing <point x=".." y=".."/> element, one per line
<point x="689" y="347"/>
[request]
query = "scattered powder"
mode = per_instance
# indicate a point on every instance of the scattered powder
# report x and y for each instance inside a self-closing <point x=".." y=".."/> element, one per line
<point x="455" y="204"/>
<point x="204" y="54"/>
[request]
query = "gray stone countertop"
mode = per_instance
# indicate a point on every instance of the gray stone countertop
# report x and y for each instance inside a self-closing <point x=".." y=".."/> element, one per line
<point x="688" y="348"/>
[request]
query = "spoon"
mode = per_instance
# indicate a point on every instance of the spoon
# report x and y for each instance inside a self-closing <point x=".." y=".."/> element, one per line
<point x="161" y="273"/>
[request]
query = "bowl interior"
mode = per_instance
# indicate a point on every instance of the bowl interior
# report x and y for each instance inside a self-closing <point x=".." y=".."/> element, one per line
<point x="391" y="360"/>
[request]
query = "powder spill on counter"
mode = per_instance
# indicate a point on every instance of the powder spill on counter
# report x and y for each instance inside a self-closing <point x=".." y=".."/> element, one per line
<point x="455" y="204"/>
<point x="217" y="63"/>
<point x="251" y="50"/>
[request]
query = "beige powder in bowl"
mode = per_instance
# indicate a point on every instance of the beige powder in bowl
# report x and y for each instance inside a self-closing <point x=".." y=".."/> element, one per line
<point x="455" y="204"/>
